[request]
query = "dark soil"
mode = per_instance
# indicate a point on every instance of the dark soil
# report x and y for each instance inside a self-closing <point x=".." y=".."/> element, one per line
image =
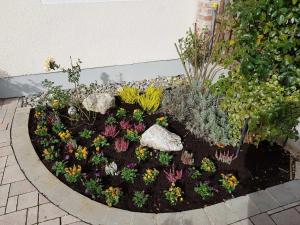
<point x="256" y="167"/>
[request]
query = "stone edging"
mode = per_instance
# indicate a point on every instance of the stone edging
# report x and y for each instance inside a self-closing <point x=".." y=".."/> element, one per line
<point x="93" y="212"/>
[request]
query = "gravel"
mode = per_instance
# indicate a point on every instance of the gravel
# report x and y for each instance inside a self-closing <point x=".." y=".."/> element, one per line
<point x="111" y="88"/>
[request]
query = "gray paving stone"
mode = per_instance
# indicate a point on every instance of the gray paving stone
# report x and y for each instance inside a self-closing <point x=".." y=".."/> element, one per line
<point x="12" y="204"/>
<point x="32" y="215"/>
<point x="49" y="211"/>
<point x="12" y="174"/>
<point x="68" y="219"/>
<point x="195" y="217"/>
<point x="220" y="214"/>
<point x="298" y="208"/>
<point x="4" y="126"/>
<point x="11" y="160"/>
<point x="79" y="223"/>
<point x="2" y="210"/>
<point x="4" y="144"/>
<point x="28" y="200"/>
<point x="263" y="200"/>
<point x="1" y="175"/>
<point x="42" y="199"/>
<point x="143" y="218"/>
<point x="51" y="222"/>
<point x="2" y="115"/>
<point x="21" y="187"/>
<point x="243" y="207"/>
<point x="3" y="160"/>
<point x="169" y="219"/>
<point x="243" y="222"/>
<point x="118" y="217"/>
<point x="6" y="150"/>
<point x="4" y="136"/>
<point x="290" y="217"/>
<point x="15" y="218"/>
<point x="4" y="189"/>
<point x="294" y="188"/>
<point x="282" y="194"/>
<point x="262" y="219"/>
<point x="297" y="170"/>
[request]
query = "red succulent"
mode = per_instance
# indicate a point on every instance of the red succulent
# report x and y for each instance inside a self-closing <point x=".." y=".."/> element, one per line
<point x="140" y="127"/>
<point x="125" y="124"/>
<point x="121" y="144"/>
<point x="110" y="131"/>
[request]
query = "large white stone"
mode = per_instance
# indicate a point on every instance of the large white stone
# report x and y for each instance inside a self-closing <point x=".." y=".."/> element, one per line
<point x="160" y="138"/>
<point x="99" y="102"/>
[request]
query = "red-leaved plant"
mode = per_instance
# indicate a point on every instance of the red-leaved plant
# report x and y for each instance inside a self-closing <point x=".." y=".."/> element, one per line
<point x="121" y="144"/>
<point x="173" y="175"/>
<point x="125" y="124"/>
<point x="140" y="127"/>
<point x="110" y="131"/>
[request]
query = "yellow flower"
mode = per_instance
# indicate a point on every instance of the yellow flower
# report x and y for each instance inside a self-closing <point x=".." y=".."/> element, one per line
<point x="65" y="136"/>
<point x="46" y="152"/>
<point x="84" y="152"/>
<point x="49" y="64"/>
<point x="231" y="42"/>
<point x="214" y="5"/>
<point x="55" y="103"/>
<point x="259" y="39"/>
<point x="37" y="114"/>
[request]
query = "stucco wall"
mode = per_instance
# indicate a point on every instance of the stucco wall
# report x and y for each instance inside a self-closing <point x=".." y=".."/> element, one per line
<point x="101" y="34"/>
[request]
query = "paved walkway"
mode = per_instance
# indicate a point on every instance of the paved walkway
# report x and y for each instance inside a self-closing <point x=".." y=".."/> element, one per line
<point x="22" y="204"/>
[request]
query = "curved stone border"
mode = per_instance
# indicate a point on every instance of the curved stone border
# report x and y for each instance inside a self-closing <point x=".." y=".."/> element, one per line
<point x="227" y="212"/>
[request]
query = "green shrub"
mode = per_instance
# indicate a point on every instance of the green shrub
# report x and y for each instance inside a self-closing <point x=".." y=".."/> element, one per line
<point x="200" y="113"/>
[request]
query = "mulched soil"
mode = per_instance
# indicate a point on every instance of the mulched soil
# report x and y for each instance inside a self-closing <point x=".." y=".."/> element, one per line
<point x="256" y="167"/>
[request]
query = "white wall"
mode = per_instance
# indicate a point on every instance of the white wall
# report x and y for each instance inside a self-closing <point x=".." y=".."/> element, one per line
<point x="101" y="34"/>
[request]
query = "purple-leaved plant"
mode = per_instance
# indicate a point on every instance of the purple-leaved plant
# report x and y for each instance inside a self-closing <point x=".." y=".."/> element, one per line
<point x="225" y="157"/>
<point x="121" y="144"/>
<point x="173" y="175"/>
<point x="110" y="131"/>
<point x="125" y="124"/>
<point x="140" y="127"/>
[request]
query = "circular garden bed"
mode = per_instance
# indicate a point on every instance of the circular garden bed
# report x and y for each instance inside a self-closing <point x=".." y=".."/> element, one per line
<point x="101" y="157"/>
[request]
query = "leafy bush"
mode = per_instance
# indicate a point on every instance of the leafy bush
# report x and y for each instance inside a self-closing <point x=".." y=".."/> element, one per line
<point x="112" y="196"/>
<point x="174" y="194"/>
<point x="200" y="113"/>
<point x="93" y="187"/>
<point x="140" y="198"/>
<point x="129" y="95"/>
<point x="151" y="99"/>
<point x="204" y="190"/>
<point x="263" y="55"/>
<point x="164" y="158"/>
<point x="128" y="174"/>
<point x="86" y="134"/>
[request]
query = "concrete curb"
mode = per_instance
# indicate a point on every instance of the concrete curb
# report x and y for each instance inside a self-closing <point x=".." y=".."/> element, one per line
<point x="93" y="212"/>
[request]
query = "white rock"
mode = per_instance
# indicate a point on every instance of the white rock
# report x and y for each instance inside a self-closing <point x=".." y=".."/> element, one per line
<point x="99" y="102"/>
<point x="160" y="138"/>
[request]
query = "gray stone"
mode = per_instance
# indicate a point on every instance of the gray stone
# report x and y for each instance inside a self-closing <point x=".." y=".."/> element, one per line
<point x="243" y="207"/>
<point x="49" y="211"/>
<point x="12" y="174"/>
<point x="143" y="218"/>
<point x="15" y="218"/>
<point x="28" y="200"/>
<point x="11" y="204"/>
<point x="68" y="219"/>
<point x="262" y="219"/>
<point x="297" y="170"/>
<point x="294" y="188"/>
<point x="32" y="215"/>
<point x="281" y="194"/>
<point x="290" y="217"/>
<point x="243" y="222"/>
<point x="116" y="216"/>
<point x="263" y="200"/>
<point x="51" y="222"/>
<point x="99" y="102"/>
<point x="169" y="219"/>
<point x="160" y="138"/>
<point x="6" y="150"/>
<point x="220" y="214"/>
<point x="21" y="187"/>
<point x="195" y="217"/>
<point x="3" y="194"/>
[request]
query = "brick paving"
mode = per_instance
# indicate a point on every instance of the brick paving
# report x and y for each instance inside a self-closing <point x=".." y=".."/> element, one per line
<point x="22" y="204"/>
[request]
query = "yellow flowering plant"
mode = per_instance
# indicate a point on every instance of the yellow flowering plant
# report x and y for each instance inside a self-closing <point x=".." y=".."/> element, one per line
<point x="129" y="95"/>
<point x="207" y="165"/>
<point x="112" y="195"/>
<point x="132" y="135"/>
<point x="65" y="135"/>
<point x="151" y="99"/>
<point x="141" y="153"/>
<point x="162" y="121"/>
<point x="229" y="182"/>
<point x="150" y="176"/>
<point x="72" y="174"/>
<point x="174" y="194"/>
<point x="41" y="130"/>
<point x="138" y="115"/>
<point x="49" y="153"/>
<point x="81" y="153"/>
<point x="100" y="141"/>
